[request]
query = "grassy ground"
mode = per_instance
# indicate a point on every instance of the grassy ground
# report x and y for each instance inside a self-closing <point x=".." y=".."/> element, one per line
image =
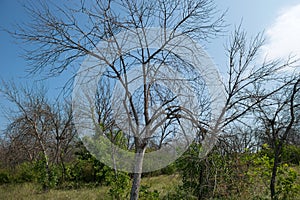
<point x="163" y="184"/>
<point x="31" y="191"/>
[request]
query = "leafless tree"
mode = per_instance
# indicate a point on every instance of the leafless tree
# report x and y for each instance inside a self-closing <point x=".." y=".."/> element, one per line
<point x="62" y="35"/>
<point x="246" y="77"/>
<point x="29" y="128"/>
<point x="37" y="128"/>
<point x="246" y="74"/>
<point x="278" y="115"/>
<point x="64" y="133"/>
<point x="249" y="84"/>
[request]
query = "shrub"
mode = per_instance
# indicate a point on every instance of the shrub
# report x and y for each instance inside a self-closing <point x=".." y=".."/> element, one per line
<point x="119" y="183"/>
<point x="4" y="177"/>
<point x="291" y="154"/>
<point x="170" y="169"/>
<point x="48" y="178"/>
<point x="24" y="173"/>
<point x="147" y="194"/>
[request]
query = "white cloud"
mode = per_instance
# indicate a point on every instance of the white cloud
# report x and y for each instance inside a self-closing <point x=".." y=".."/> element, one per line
<point x="283" y="37"/>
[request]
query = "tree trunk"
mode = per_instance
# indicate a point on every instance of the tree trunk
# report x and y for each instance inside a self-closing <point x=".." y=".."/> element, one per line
<point x="46" y="183"/>
<point x="137" y="176"/>
<point x="45" y="157"/>
<point x="200" y="177"/>
<point x="273" y="180"/>
<point x="63" y="171"/>
<point x="274" y="174"/>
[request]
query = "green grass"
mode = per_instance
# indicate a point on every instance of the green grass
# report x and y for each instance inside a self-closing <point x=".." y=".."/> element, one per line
<point x="163" y="184"/>
<point x="32" y="191"/>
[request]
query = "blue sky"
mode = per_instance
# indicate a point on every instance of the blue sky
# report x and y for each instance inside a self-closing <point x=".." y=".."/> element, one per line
<point x="279" y="19"/>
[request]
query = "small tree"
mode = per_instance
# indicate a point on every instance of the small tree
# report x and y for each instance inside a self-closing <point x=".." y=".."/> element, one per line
<point x="38" y="130"/>
<point x="278" y="115"/>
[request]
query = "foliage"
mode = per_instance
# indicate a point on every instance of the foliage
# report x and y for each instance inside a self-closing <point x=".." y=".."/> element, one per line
<point x="147" y="194"/>
<point x="47" y="177"/>
<point x="170" y="169"/>
<point x="119" y="183"/>
<point x="4" y="177"/>
<point x="255" y="178"/>
<point x="261" y="171"/>
<point x="87" y="168"/>
<point x="291" y="154"/>
<point x="234" y="175"/>
<point x="24" y="172"/>
<point x="201" y="176"/>
<point x="287" y="188"/>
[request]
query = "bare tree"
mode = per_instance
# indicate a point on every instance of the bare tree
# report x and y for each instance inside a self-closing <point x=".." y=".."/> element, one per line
<point x="278" y="115"/>
<point x="249" y="84"/>
<point x="37" y="128"/>
<point x="32" y="124"/>
<point x="246" y="75"/>
<point x="63" y="35"/>
<point x="251" y="89"/>
<point x="246" y="78"/>
<point x="64" y="134"/>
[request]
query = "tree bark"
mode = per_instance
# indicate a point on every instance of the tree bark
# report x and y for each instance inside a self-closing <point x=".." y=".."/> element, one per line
<point x="274" y="171"/>
<point x="137" y="176"/>
<point x="46" y="183"/>
<point x="273" y="180"/>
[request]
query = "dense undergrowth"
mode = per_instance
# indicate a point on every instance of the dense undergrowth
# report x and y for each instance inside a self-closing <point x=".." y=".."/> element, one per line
<point x="218" y="176"/>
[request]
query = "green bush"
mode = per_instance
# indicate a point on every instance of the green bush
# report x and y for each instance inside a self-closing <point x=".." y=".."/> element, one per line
<point x="170" y="169"/>
<point x="147" y="194"/>
<point x="119" y="183"/>
<point x="24" y="173"/>
<point x="199" y="175"/>
<point x="286" y="185"/>
<point x="4" y="177"/>
<point x="87" y="169"/>
<point x="48" y="178"/>
<point x="291" y="154"/>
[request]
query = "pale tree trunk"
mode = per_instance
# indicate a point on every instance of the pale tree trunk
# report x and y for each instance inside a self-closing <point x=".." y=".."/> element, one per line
<point x="137" y="176"/>
<point x="45" y="184"/>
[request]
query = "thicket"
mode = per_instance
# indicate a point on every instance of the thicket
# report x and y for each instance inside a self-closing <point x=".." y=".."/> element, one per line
<point x="237" y="175"/>
<point x="83" y="171"/>
<point x="219" y="175"/>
